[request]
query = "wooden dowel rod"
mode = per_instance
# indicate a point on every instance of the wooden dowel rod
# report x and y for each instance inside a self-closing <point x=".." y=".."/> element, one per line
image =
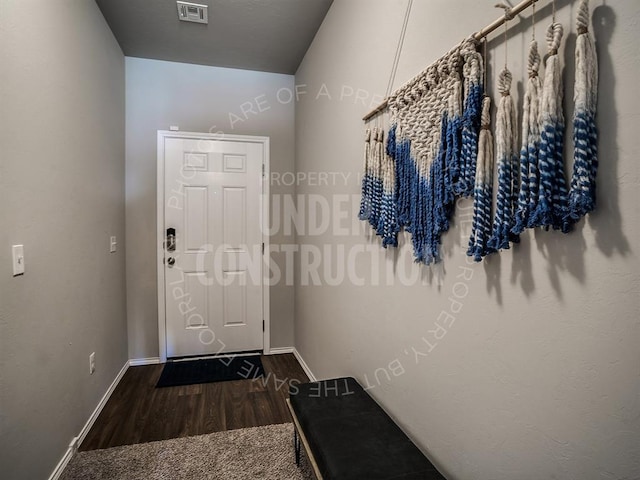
<point x="375" y="111"/>
<point x="383" y="106"/>
<point x="501" y="21"/>
<point x="478" y="36"/>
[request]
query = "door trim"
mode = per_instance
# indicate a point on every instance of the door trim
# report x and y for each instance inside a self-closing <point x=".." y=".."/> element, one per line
<point x="264" y="221"/>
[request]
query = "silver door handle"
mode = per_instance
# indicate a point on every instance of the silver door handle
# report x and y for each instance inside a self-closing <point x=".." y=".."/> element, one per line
<point x="171" y="261"/>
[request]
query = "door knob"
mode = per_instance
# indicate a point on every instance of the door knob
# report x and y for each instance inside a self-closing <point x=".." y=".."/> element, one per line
<point x="171" y="261"/>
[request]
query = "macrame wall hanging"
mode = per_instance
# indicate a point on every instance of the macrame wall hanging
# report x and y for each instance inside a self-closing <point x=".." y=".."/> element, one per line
<point x="439" y="146"/>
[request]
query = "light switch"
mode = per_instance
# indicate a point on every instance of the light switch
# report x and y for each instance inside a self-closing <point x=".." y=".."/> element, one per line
<point x="112" y="244"/>
<point x="18" y="259"/>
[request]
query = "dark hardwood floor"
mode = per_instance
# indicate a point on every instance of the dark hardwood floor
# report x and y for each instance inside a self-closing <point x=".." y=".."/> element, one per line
<point x="137" y="412"/>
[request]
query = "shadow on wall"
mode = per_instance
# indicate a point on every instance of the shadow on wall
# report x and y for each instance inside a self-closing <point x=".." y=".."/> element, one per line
<point x="606" y="220"/>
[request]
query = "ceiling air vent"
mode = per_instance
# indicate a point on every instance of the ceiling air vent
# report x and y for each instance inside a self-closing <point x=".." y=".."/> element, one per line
<point x="193" y="12"/>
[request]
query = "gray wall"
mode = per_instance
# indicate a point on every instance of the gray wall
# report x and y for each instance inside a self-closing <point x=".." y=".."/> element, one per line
<point x="197" y="99"/>
<point x="535" y="374"/>
<point x="62" y="183"/>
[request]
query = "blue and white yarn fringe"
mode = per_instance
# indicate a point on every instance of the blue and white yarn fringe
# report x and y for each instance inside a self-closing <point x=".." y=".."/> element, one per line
<point x="464" y="173"/>
<point x="366" y="201"/>
<point x="388" y="227"/>
<point x="378" y="204"/>
<point x="529" y="175"/>
<point x="507" y="159"/>
<point x="452" y="135"/>
<point x="551" y="210"/>
<point x="483" y="190"/>
<point x="371" y="203"/>
<point x="582" y="195"/>
<point x="415" y="202"/>
<point x="400" y="151"/>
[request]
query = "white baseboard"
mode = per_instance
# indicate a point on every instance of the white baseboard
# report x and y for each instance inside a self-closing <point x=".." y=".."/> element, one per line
<point x="136" y="362"/>
<point x="101" y="404"/>
<point x="304" y="366"/>
<point x="280" y="350"/>
<point x="64" y="461"/>
<point x="75" y="443"/>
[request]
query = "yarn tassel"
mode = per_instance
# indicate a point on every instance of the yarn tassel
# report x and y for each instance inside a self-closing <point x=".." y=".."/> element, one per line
<point x="528" y="196"/>
<point x="552" y="196"/>
<point x="453" y="136"/>
<point x="421" y="213"/>
<point x="582" y="196"/>
<point x="464" y="176"/>
<point x="376" y="180"/>
<point x="483" y="190"/>
<point x="438" y="181"/>
<point x="367" y="181"/>
<point x="387" y="226"/>
<point x="506" y="153"/>
<point x="400" y="151"/>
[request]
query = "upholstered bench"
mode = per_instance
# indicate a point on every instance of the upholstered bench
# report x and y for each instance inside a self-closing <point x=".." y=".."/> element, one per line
<point x="348" y="436"/>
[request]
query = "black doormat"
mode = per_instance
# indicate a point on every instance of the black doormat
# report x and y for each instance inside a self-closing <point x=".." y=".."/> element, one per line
<point x="208" y="370"/>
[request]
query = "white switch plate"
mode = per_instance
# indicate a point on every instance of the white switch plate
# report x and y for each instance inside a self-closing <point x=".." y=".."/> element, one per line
<point x="18" y="259"/>
<point x="92" y="363"/>
<point x="112" y="244"/>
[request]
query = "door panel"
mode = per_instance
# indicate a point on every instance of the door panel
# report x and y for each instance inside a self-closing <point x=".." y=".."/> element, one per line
<point x="213" y="291"/>
<point x="234" y="209"/>
<point x="195" y="218"/>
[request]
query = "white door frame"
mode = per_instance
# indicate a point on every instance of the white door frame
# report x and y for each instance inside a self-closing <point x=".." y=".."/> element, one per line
<point x="264" y="220"/>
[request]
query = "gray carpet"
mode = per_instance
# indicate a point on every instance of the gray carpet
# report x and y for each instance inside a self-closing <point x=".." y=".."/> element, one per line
<point x="248" y="453"/>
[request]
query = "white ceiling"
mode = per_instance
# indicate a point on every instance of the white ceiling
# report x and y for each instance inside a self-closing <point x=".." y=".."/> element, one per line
<point x="263" y="35"/>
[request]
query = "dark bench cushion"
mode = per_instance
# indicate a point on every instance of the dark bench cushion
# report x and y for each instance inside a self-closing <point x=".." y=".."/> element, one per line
<point x="351" y="437"/>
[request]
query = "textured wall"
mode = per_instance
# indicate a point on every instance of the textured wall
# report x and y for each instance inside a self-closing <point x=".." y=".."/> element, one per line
<point x="62" y="181"/>
<point x="535" y="372"/>
<point x="198" y="99"/>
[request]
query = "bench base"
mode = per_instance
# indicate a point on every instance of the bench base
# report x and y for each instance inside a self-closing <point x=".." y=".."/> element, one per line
<point x="348" y="436"/>
<point x="300" y="440"/>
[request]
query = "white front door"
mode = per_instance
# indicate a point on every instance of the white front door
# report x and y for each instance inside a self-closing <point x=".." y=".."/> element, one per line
<point x="213" y="247"/>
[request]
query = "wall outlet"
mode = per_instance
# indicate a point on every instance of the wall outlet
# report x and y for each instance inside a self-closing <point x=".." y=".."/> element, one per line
<point x="112" y="244"/>
<point x="92" y="363"/>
